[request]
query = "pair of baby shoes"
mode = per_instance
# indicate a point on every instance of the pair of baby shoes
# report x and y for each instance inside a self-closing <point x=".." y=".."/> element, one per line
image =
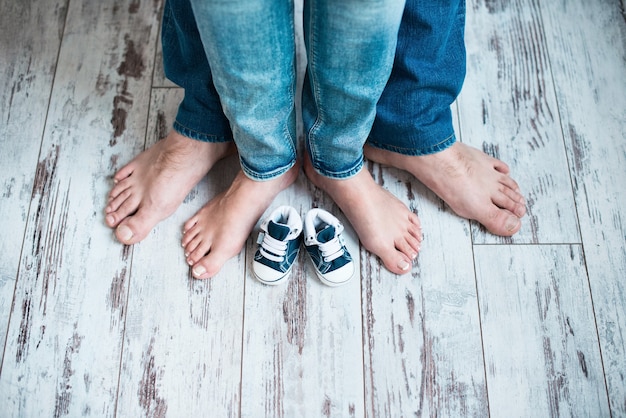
<point x="279" y="244"/>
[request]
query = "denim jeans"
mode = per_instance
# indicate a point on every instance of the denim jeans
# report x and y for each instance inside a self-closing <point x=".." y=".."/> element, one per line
<point x="413" y="114"/>
<point x="349" y="54"/>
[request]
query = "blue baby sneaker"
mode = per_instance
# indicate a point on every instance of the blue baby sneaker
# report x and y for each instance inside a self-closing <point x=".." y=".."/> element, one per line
<point x="325" y="245"/>
<point x="279" y="244"/>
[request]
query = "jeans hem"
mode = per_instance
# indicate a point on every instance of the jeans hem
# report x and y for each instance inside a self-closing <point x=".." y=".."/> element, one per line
<point x="271" y="175"/>
<point x="411" y="151"/>
<point x="340" y="175"/>
<point x="199" y="136"/>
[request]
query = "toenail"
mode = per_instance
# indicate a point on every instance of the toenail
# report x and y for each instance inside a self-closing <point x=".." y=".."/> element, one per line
<point x="513" y="223"/>
<point x="124" y="232"/>
<point x="110" y="219"/>
<point x="403" y="265"/>
<point x="413" y="256"/>
<point x="199" y="271"/>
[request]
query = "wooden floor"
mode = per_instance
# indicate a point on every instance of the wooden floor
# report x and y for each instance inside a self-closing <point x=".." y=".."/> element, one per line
<point x="533" y="326"/>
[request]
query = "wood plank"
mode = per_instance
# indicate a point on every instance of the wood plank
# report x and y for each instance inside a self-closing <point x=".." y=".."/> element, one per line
<point x="589" y="70"/>
<point x="310" y="361"/>
<point x="28" y="60"/>
<point x="508" y="109"/>
<point x="540" y="340"/>
<point x="182" y="346"/>
<point x="302" y="352"/>
<point x="311" y="364"/>
<point x="65" y="336"/>
<point x="423" y="353"/>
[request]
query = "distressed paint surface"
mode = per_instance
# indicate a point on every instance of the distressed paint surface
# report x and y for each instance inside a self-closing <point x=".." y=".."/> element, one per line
<point x="540" y="340"/>
<point x="302" y="340"/>
<point x="312" y="362"/>
<point x="98" y="329"/>
<point x="28" y="62"/>
<point x="589" y="69"/>
<point x="423" y="354"/>
<point x="174" y="321"/>
<point x="70" y="296"/>
<point x="508" y="109"/>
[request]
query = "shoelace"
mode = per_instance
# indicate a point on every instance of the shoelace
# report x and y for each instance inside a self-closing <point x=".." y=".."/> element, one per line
<point x="275" y="246"/>
<point x="331" y="250"/>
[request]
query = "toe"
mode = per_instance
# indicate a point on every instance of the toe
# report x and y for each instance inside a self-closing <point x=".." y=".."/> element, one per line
<point x="135" y="228"/>
<point x="408" y="247"/>
<point x="415" y="220"/>
<point x="119" y="188"/>
<point x="500" y="166"/>
<point x="501" y="222"/>
<point x="124" y="234"/>
<point x="508" y="182"/>
<point x="394" y="260"/>
<point x="115" y="202"/>
<point x="510" y="200"/>
<point x="209" y="265"/>
<point x="200" y="272"/>
<point x="191" y="238"/>
<point x="190" y="223"/>
<point x="123" y="173"/>
<point x="197" y="249"/>
<point x="414" y="243"/>
<point x="110" y="220"/>
<point x="415" y="232"/>
<point x="121" y="212"/>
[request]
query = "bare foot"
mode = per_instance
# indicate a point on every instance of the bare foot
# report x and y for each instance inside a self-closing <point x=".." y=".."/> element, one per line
<point x="475" y="185"/>
<point x="219" y="230"/>
<point x="385" y="226"/>
<point x="152" y="186"/>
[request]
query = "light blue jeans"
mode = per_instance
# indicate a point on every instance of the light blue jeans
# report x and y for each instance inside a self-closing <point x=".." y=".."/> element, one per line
<point x="413" y="114"/>
<point x="250" y="49"/>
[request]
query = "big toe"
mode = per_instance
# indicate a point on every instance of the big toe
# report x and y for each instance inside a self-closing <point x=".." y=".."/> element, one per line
<point x="501" y="222"/>
<point x="134" y="228"/>
<point x="395" y="261"/>
<point x="209" y="265"/>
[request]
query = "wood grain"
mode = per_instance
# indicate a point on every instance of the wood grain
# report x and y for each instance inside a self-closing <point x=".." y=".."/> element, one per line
<point x="423" y="353"/>
<point x="70" y="297"/>
<point x="589" y="70"/>
<point x="540" y="340"/>
<point x="508" y="109"/>
<point x="182" y="346"/>
<point x="28" y="62"/>
<point x="483" y="326"/>
<point x="302" y="352"/>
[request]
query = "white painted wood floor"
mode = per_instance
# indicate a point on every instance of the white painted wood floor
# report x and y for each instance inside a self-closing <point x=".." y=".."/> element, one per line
<point x="533" y="326"/>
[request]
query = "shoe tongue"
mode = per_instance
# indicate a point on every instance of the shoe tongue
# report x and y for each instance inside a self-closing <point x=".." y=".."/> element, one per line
<point x="278" y="231"/>
<point x="326" y="234"/>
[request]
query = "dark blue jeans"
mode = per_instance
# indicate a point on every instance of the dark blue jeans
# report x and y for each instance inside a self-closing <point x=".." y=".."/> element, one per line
<point x="413" y="114"/>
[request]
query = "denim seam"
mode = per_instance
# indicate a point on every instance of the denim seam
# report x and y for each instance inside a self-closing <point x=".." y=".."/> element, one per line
<point x="249" y="172"/>
<point x="440" y="146"/>
<point x="354" y="170"/>
<point x="292" y="94"/>
<point x="314" y="87"/>
<point x="185" y="130"/>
